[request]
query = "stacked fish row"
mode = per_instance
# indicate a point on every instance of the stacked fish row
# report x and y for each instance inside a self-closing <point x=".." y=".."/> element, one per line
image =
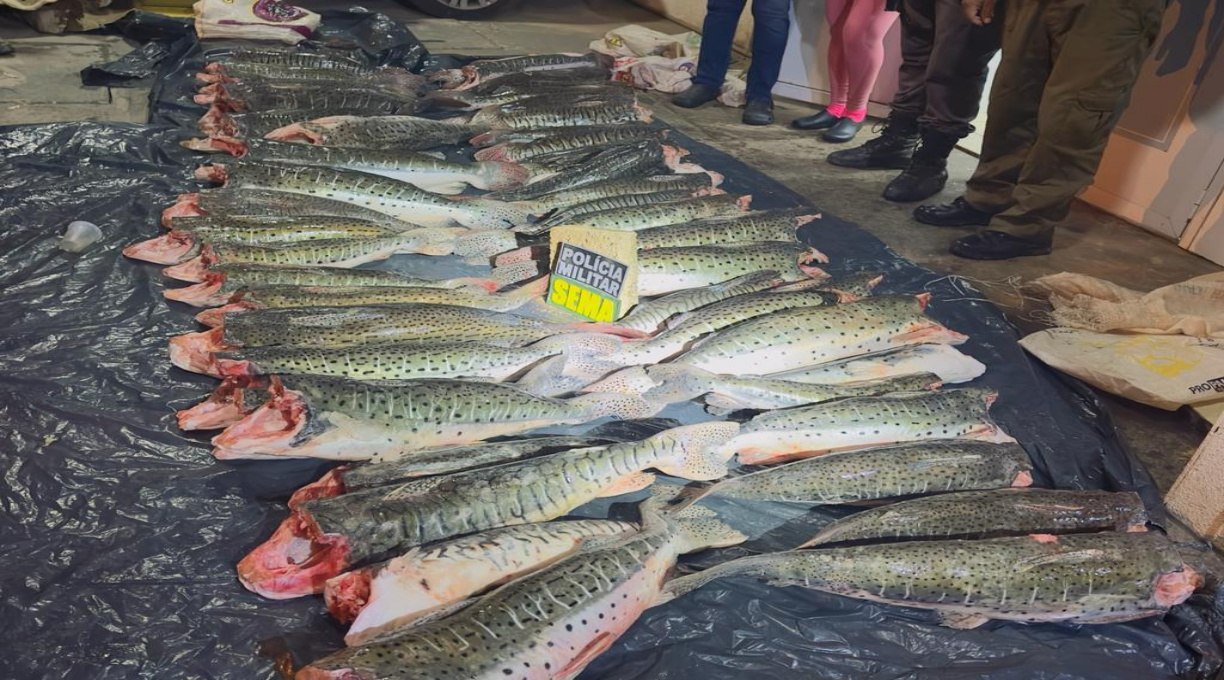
<point x="441" y="540"/>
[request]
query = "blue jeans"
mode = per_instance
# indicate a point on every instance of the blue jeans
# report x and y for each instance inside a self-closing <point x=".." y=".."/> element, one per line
<point x="768" y="43"/>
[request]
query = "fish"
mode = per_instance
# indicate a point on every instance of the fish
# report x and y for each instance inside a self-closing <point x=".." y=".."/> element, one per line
<point x="263" y="96"/>
<point x="351" y="326"/>
<point x="315" y="416"/>
<point x="641" y="217"/>
<point x="220" y="121"/>
<point x="459" y="458"/>
<point x="723" y="393"/>
<point x="764" y="225"/>
<point x="623" y="201"/>
<point x="990" y="514"/>
<point x="640" y="159"/>
<point x="259" y="204"/>
<point x="504" y="90"/>
<point x="404" y="133"/>
<point x="390" y="595"/>
<point x="325" y="537"/>
<point x="931" y="466"/>
<point x="451" y="359"/>
<point x="280" y="297"/>
<point x="684" y="330"/>
<point x="482" y="70"/>
<point x="281" y="58"/>
<point x="224" y="281"/>
<point x="853" y="287"/>
<point x="699" y="184"/>
<point x="423" y="171"/>
<point x="1087" y="578"/>
<point x="945" y="361"/>
<point x="562" y="617"/>
<point x="667" y="270"/>
<point x="803" y="336"/>
<point x="190" y="234"/>
<point x="390" y="197"/>
<point x="650" y="315"/>
<point x="862" y="422"/>
<point x="563" y="113"/>
<point x="569" y="139"/>
<point x="252" y="73"/>
<point x="330" y="252"/>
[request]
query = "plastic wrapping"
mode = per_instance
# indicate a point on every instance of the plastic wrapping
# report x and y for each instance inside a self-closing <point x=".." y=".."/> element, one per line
<point x="121" y="533"/>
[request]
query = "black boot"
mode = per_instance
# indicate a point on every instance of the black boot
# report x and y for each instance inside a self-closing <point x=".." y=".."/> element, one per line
<point x="758" y="112"/>
<point x="695" y="96"/>
<point x="927" y="173"/>
<point x="892" y="150"/>
<point x="996" y="245"/>
<point x="818" y="121"/>
<point x="843" y="131"/>
<point x="958" y="213"/>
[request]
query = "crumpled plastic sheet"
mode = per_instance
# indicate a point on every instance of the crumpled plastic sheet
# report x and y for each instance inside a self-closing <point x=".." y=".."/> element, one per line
<point x="120" y="534"/>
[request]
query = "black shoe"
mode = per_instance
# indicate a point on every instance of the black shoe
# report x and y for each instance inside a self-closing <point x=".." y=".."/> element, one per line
<point x="958" y="213"/>
<point x="817" y="121"/>
<point x="996" y="245"/>
<point x="758" y="112"/>
<point x="920" y="181"/>
<point x="695" y="96"/>
<point x="843" y="131"/>
<point x="892" y="150"/>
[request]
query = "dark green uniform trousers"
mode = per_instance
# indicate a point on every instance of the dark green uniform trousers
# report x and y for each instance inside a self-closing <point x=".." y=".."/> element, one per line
<point x="1067" y="71"/>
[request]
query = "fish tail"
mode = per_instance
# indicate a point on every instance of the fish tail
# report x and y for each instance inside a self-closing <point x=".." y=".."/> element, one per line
<point x="698" y="451"/>
<point x="485" y="243"/>
<point x="760" y="566"/>
<point x="619" y="406"/>
<point x="701" y="528"/>
<point x="499" y="175"/>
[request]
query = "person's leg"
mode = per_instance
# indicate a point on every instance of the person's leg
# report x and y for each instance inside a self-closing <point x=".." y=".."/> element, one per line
<point x="836" y="14"/>
<point x="894" y="147"/>
<point x="955" y="78"/>
<point x="1015" y="99"/>
<point x="771" y="26"/>
<point x="1099" y="48"/>
<point x="863" y="38"/>
<point x="717" y="34"/>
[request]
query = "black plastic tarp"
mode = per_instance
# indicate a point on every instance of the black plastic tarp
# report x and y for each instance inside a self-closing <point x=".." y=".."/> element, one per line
<point x="119" y="533"/>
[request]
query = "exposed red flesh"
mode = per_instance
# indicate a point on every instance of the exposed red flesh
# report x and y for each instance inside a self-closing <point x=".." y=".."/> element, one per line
<point x="296" y="132"/>
<point x="224" y="407"/>
<point x="329" y="485"/>
<point x="273" y="425"/>
<point x="216" y="317"/>
<point x="187" y="205"/>
<point x="194" y="351"/>
<point x="347" y="594"/>
<point x="295" y="561"/>
<point x="169" y="248"/>
<point x="214" y="172"/>
<point x="1023" y="478"/>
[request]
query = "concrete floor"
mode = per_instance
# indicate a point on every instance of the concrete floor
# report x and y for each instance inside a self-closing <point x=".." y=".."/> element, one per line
<point x="41" y="84"/>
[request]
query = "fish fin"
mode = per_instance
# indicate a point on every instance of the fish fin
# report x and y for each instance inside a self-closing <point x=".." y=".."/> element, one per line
<point x="498" y="175"/>
<point x="702" y="528"/>
<point x="961" y="620"/>
<point x="1070" y="557"/>
<point x="700" y="452"/>
<point x="619" y="406"/>
<point x="634" y="482"/>
<point x="933" y="333"/>
<point x="631" y="380"/>
<point x="585" y="655"/>
<point x="513" y="273"/>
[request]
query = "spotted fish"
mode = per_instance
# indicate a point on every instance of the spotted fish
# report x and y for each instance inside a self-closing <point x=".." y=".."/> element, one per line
<point x="933" y="466"/>
<point x="765" y="225"/>
<point x="666" y="270"/>
<point x="1088" y="578"/>
<point x="545" y="626"/>
<point x="862" y="422"/>
<point x="991" y="514"/>
<point x="949" y="363"/>
<point x="325" y="537"/>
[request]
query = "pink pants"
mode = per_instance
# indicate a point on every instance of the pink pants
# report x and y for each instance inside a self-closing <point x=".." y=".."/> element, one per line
<point x="856" y="52"/>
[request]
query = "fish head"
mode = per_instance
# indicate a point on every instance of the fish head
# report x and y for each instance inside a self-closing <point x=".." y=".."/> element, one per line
<point x="194" y="351"/>
<point x="296" y="560"/>
<point x="187" y="205"/>
<point x="1175" y="587"/>
<point x="213" y="172"/>
<point x="214" y="318"/>
<point x="195" y="269"/>
<point x="269" y="430"/>
<point x="169" y="248"/>
<point x="206" y="293"/>
<point x="224" y="407"/>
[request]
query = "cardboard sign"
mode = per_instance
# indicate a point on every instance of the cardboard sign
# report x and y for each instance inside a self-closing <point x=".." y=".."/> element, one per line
<point x="594" y="272"/>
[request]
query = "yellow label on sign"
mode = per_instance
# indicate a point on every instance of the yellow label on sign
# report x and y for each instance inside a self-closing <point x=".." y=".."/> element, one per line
<point x="594" y="272"/>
